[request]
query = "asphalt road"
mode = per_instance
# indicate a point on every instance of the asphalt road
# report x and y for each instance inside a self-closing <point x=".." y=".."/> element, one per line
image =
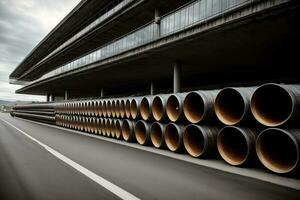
<point x="29" y="171"/>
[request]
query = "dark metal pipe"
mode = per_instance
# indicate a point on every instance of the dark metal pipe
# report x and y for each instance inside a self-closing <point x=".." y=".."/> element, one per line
<point x="174" y="107"/>
<point x="279" y="150"/>
<point x="142" y="132"/>
<point x="128" y="130"/>
<point x="236" y="145"/>
<point x="198" y="106"/>
<point x="157" y="134"/>
<point x="276" y="104"/>
<point x="173" y="137"/>
<point x="200" y="141"/>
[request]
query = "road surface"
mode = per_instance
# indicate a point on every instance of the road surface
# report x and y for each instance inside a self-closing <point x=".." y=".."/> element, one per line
<point x="29" y="171"/>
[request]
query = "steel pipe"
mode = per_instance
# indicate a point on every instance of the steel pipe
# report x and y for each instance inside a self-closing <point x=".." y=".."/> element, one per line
<point x="157" y="134"/>
<point x="232" y="105"/>
<point x="145" y="109"/>
<point x="198" y="106"/>
<point x="279" y="150"/>
<point x="113" y="108"/>
<point x="276" y="104"/>
<point x="135" y="107"/>
<point x="122" y="108"/>
<point x="173" y="137"/>
<point x="200" y="141"/>
<point x="118" y="128"/>
<point x="142" y="132"/>
<point x="127" y="108"/>
<point x="236" y="145"/>
<point x="128" y="130"/>
<point x="159" y="105"/>
<point x="174" y="107"/>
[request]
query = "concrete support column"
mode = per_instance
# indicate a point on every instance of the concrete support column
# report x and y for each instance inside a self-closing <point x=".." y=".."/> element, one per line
<point x="177" y="77"/>
<point x="48" y="98"/>
<point x="152" y="88"/>
<point x="67" y="94"/>
<point x="102" y="93"/>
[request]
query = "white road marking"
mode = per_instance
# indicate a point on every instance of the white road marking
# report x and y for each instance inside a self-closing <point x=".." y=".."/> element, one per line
<point x="96" y="178"/>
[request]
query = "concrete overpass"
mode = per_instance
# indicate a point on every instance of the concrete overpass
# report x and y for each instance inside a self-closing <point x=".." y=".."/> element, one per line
<point x="254" y="42"/>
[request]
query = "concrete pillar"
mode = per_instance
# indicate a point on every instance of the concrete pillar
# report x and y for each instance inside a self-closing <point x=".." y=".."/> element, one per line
<point x="52" y="97"/>
<point x="67" y="94"/>
<point x="48" y="98"/>
<point x="156" y="16"/>
<point x="102" y="93"/>
<point x="152" y="88"/>
<point x="176" y="77"/>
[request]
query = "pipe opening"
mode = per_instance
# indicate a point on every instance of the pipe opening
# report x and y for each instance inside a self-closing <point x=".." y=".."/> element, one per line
<point x="113" y="108"/>
<point x="193" y="107"/>
<point x="230" y="106"/>
<point x="118" y="129"/>
<point x="127" y="108"/>
<point x="117" y="108"/>
<point x="193" y="140"/>
<point x="271" y="105"/>
<point x="126" y="129"/>
<point x="104" y="112"/>
<point x="277" y="150"/>
<point x="122" y="108"/>
<point x="156" y="135"/>
<point x="145" y="109"/>
<point x="172" y="137"/>
<point x="134" y="108"/>
<point x="108" y="108"/>
<point x="140" y="132"/>
<point x="232" y="145"/>
<point x="173" y="108"/>
<point x="157" y="108"/>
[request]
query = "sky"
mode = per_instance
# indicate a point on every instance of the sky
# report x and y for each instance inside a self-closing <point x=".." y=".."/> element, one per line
<point x="23" y="24"/>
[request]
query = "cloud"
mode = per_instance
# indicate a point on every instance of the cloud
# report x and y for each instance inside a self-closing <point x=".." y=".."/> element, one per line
<point x="23" y="23"/>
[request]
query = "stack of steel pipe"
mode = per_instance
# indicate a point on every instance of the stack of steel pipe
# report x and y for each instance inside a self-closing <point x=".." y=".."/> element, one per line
<point x="242" y="125"/>
<point x="42" y="112"/>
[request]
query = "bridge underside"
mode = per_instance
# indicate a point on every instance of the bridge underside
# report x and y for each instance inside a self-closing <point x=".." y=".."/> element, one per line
<point x="255" y="49"/>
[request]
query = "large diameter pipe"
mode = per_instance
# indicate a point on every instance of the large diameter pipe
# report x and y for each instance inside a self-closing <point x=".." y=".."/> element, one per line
<point x="236" y="145"/>
<point x="200" y="141"/>
<point x="127" y="108"/>
<point x="104" y="112"/>
<point x="159" y="105"/>
<point x="279" y="150"/>
<point x="146" y="104"/>
<point x="198" y="106"/>
<point x="109" y="108"/>
<point x="276" y="104"/>
<point x="118" y="129"/>
<point x="128" y="130"/>
<point x="42" y="118"/>
<point x="232" y="105"/>
<point x="122" y="108"/>
<point x="157" y="134"/>
<point x="135" y="107"/>
<point x="142" y="132"/>
<point x="117" y="107"/>
<point x="174" y="107"/>
<point x="173" y="137"/>
<point x="113" y="108"/>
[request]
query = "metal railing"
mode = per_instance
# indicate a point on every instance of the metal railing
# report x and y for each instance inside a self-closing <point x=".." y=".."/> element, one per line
<point x="92" y="25"/>
<point x="189" y="15"/>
